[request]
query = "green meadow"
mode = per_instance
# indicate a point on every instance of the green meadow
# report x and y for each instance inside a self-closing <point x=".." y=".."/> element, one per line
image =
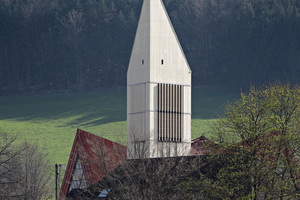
<point x="52" y="119"/>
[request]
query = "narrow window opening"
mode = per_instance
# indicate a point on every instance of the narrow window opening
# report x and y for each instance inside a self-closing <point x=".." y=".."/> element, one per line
<point x="142" y="62"/>
<point x="162" y="61"/>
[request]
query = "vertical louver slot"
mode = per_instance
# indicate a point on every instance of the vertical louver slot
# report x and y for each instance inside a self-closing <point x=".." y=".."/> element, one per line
<point x="180" y="106"/>
<point x="166" y="113"/>
<point x="159" y="104"/>
<point x="169" y="112"/>
<point x="175" y="113"/>
<point x="172" y="115"/>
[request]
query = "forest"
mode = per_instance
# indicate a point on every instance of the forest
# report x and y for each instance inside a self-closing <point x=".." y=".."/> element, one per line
<point x="75" y="45"/>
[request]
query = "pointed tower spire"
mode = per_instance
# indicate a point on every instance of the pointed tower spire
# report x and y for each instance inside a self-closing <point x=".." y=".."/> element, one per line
<point x="158" y="89"/>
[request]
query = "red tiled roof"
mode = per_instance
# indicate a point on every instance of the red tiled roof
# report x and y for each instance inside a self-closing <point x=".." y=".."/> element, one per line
<point x="97" y="155"/>
<point x="200" y="146"/>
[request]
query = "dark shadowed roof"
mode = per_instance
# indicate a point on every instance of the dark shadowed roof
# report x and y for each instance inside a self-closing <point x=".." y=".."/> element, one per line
<point x="158" y="178"/>
<point x="99" y="156"/>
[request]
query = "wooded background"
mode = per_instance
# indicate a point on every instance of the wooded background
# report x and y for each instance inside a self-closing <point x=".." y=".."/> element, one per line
<point x="71" y="45"/>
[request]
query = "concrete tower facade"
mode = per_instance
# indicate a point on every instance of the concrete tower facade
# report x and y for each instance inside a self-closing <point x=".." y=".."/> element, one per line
<point x="158" y="89"/>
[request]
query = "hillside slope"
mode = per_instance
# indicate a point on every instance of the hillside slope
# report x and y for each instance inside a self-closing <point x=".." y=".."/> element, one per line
<point x="52" y="119"/>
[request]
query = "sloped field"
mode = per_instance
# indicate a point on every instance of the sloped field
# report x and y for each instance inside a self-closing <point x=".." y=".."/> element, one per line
<point x="52" y="119"/>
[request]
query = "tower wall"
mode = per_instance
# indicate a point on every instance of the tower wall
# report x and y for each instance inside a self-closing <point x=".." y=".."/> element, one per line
<point x="157" y="59"/>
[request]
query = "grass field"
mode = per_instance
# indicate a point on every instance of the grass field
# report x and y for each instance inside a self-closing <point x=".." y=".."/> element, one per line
<point x="52" y="119"/>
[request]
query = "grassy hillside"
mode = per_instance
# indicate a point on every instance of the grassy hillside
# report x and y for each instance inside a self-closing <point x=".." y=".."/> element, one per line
<point x="52" y="119"/>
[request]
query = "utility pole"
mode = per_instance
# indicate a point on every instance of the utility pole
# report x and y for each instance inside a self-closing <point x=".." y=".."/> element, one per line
<point x="56" y="178"/>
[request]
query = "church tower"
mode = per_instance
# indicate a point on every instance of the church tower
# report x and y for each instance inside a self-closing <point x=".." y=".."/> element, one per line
<point x="158" y="89"/>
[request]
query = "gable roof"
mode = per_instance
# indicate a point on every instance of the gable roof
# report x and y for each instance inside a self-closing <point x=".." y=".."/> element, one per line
<point x="98" y="156"/>
<point x="201" y="146"/>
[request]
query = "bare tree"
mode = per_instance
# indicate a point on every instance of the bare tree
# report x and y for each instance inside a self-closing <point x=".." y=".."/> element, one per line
<point x="150" y="178"/>
<point x="35" y="173"/>
<point x="32" y="13"/>
<point x="73" y="36"/>
<point x="143" y="178"/>
<point x="8" y="167"/>
<point x="24" y="171"/>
